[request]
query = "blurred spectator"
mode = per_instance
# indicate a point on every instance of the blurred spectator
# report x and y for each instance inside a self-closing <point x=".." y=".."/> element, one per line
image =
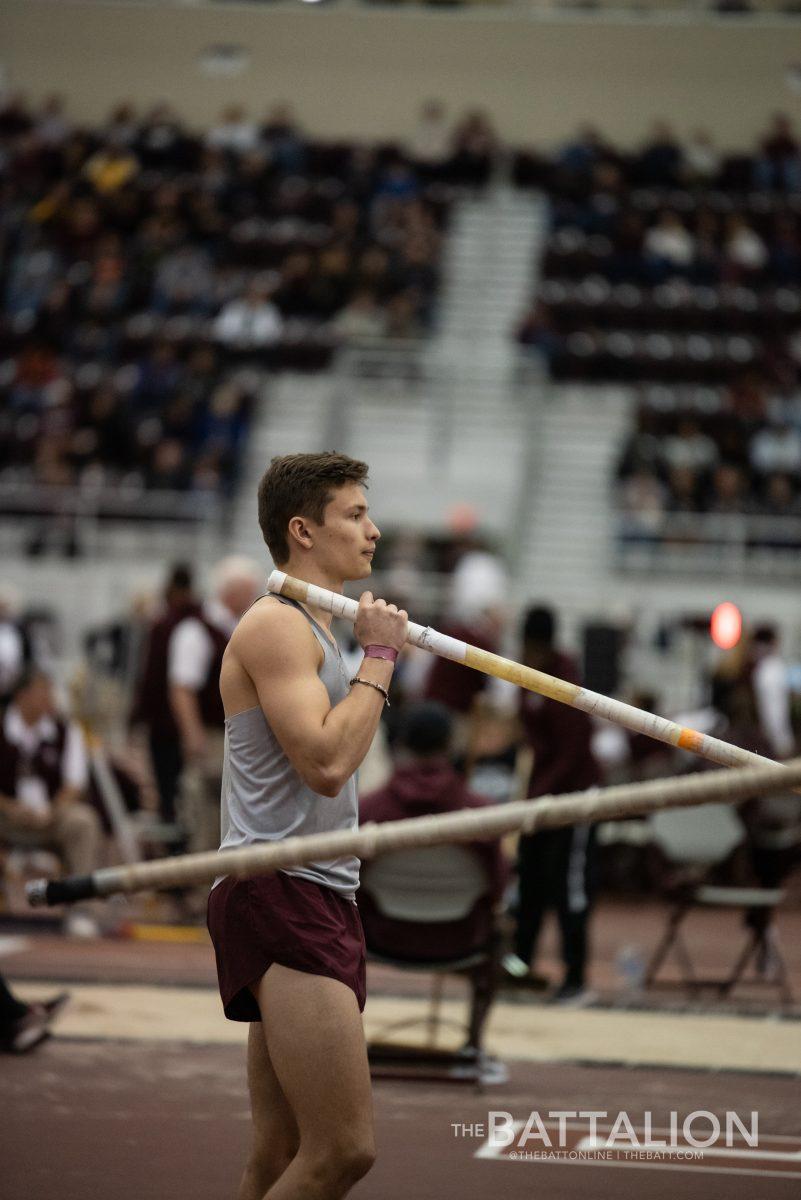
<point x="160" y="138"/>
<point x="779" y="162"/>
<point x="475" y="150"/>
<point x="429" y="145"/>
<point x="644" y="446"/>
<point x="743" y="247"/>
<point x="660" y="160"/>
<point x="778" y="498"/>
<point x="43" y="777"/>
<point x="196" y="644"/>
<point x="707" y="261"/>
<point x="479" y="583"/>
<point x="121" y="127"/>
<point x="282" y="137"/>
<point x="669" y="244"/>
<point x="362" y="317"/>
<point x="583" y="152"/>
<point x="536" y="330"/>
<point x="683" y="487"/>
<point x="776" y="448"/>
<point x="111" y="168"/>
<point x="151" y="706"/>
<point x="184" y="282"/>
<point x="729" y="491"/>
<point x="475" y="614"/>
<point x="772" y="691"/>
<point x="555" y="866"/>
<point x="689" y="447"/>
<point x="250" y="323"/>
<point x="16" y="650"/>
<point x="234" y="132"/>
<point x="641" y="500"/>
<point x="403" y="316"/>
<point x="424" y="782"/>
<point x="702" y="159"/>
<point x="52" y="125"/>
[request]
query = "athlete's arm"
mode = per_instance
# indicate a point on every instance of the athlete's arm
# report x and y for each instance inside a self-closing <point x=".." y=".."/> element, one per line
<point x="276" y="647"/>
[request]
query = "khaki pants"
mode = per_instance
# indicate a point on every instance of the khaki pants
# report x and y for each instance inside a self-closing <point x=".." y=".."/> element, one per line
<point x="75" y="836"/>
<point x="201" y="784"/>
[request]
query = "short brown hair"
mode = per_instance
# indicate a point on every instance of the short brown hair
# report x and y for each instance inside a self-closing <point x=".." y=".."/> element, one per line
<point x="301" y="485"/>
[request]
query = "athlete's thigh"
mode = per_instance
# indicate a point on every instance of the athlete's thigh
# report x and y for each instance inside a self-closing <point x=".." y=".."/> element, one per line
<point x="313" y="1029"/>
<point x="273" y="1119"/>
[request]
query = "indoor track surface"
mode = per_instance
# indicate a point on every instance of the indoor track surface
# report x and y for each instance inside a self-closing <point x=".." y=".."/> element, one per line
<point x="140" y="1094"/>
<point x="139" y="1121"/>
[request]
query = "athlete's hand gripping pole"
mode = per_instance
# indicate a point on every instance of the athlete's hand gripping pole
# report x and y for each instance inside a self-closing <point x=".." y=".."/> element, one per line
<point x="593" y="703"/>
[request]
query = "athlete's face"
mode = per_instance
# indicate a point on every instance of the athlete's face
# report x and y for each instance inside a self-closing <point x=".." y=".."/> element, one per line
<point x="346" y="540"/>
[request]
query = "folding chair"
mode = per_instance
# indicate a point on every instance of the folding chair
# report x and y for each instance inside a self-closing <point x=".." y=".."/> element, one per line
<point x="431" y="910"/>
<point x="696" y="840"/>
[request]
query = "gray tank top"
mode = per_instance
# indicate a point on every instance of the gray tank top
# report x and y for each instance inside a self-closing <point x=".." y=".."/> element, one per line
<point x="264" y="799"/>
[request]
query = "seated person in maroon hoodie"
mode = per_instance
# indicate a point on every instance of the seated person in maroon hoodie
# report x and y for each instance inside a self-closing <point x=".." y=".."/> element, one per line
<point x="424" y="782"/>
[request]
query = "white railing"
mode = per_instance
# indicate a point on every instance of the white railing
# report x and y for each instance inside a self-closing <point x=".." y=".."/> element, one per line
<point x="106" y="521"/>
<point x="697" y="543"/>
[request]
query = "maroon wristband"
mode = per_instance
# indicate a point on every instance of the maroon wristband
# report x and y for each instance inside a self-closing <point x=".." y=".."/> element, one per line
<point x="387" y="652"/>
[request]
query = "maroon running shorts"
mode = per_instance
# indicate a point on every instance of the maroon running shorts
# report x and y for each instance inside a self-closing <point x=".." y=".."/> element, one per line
<point x="282" y="919"/>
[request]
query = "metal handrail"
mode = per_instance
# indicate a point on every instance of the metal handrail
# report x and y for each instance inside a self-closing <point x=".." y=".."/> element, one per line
<point x="745" y="544"/>
<point x="18" y="498"/>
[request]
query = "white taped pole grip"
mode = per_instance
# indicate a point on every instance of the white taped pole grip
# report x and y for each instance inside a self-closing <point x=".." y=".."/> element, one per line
<point x="342" y="606"/>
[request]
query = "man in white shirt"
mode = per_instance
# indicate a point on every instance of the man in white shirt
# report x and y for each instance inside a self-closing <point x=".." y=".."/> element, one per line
<point x="234" y="132"/>
<point x="14" y="647"/>
<point x="250" y="322"/>
<point x="772" y="692"/>
<point x="43" y="777"/>
<point x="194" y="657"/>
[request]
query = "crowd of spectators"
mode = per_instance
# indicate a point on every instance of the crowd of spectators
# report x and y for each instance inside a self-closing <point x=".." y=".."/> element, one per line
<point x="143" y="264"/>
<point x="672" y="262"/>
<point x="735" y="452"/>
<point x="677" y="267"/>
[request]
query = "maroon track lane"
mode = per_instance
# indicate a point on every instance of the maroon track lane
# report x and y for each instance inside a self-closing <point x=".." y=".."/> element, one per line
<point x="145" y="1121"/>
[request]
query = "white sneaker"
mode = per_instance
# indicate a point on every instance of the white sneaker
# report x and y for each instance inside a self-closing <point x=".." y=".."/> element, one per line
<point x="82" y="926"/>
<point x="514" y="966"/>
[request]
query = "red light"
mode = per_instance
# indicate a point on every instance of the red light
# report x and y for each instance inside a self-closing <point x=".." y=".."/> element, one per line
<point x="726" y="625"/>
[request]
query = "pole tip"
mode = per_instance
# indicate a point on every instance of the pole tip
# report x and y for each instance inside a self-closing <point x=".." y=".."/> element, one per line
<point x="36" y="891"/>
<point x="276" y="581"/>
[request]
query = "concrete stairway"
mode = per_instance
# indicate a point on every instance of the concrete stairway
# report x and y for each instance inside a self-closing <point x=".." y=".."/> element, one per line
<point x="439" y="422"/>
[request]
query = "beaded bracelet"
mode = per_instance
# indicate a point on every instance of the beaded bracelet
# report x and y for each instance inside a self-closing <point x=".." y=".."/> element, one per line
<point x="369" y="683"/>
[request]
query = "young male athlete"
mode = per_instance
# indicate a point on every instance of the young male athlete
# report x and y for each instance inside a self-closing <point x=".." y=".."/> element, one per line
<point x="289" y="946"/>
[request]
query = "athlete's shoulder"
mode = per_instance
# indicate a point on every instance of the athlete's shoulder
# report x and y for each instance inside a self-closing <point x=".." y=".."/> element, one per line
<point x="269" y="626"/>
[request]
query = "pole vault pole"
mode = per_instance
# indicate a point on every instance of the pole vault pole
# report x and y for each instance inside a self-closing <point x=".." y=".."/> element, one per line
<point x="593" y="703"/>
<point x="596" y="804"/>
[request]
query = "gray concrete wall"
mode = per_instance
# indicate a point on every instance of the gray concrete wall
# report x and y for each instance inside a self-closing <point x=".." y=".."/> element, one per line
<point x="363" y="73"/>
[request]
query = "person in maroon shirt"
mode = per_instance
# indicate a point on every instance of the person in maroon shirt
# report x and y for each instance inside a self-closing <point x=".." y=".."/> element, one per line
<point x="424" y="782"/>
<point x="555" y="866"/>
<point x="451" y="684"/>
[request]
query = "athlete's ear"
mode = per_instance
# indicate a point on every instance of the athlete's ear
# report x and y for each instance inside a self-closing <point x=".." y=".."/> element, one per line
<point x="300" y="531"/>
